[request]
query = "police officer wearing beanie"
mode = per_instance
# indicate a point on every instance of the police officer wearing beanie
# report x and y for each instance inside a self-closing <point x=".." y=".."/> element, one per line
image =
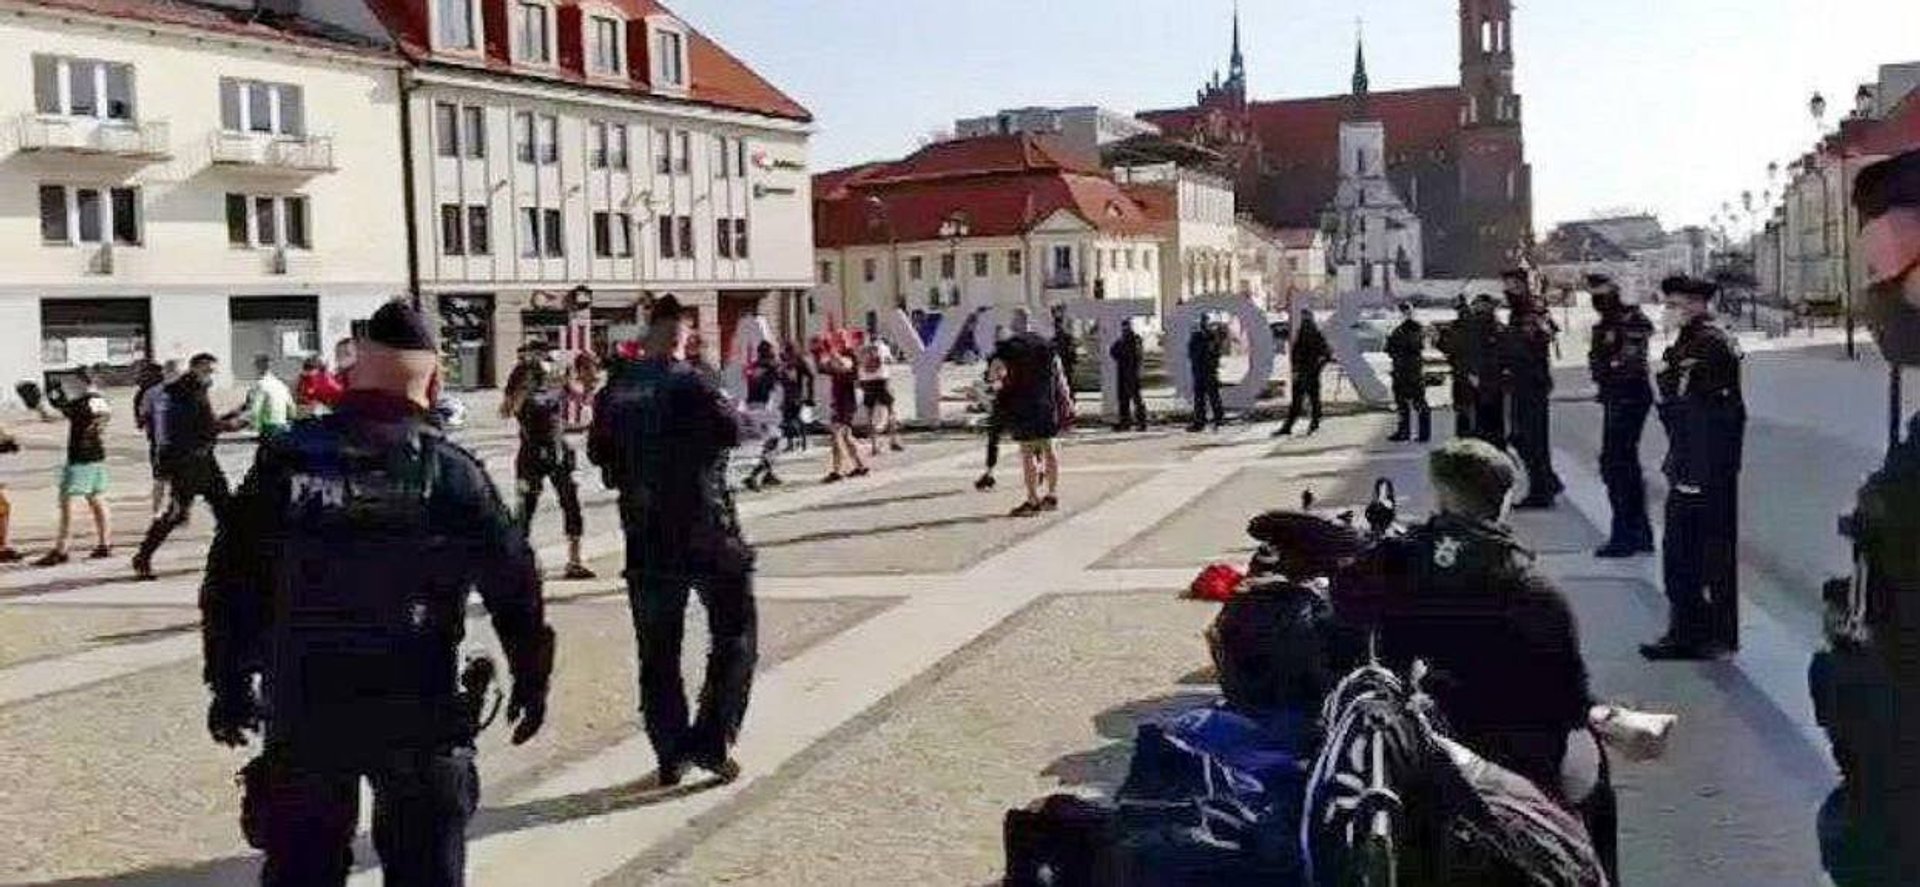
<point x="340" y="580"/>
<point x="1462" y="594"/>
<point x="1526" y="351"/>
<point x="1406" y="349"/>
<point x="661" y="434"/>
<point x="1706" y="418"/>
<point x="1487" y="371"/>
<point x="1617" y="359"/>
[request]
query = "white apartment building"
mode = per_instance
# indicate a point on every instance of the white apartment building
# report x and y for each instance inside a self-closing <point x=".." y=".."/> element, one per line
<point x="1194" y="213"/>
<point x="622" y="152"/>
<point x="1084" y="129"/>
<point x="1010" y="220"/>
<point x="193" y="182"/>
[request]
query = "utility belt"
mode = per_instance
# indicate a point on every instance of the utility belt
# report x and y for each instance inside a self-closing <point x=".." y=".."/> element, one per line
<point x="475" y="707"/>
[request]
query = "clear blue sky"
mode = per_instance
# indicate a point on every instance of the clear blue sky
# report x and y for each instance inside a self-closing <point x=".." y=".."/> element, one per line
<point x="1668" y="105"/>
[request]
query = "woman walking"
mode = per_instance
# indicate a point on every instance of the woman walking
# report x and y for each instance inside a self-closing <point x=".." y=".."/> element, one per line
<point x="838" y="366"/>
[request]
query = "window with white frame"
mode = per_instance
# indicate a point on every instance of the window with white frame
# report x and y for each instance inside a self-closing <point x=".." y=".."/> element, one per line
<point x="606" y="39"/>
<point x="663" y="152"/>
<point x="465" y="230"/>
<point x="669" y="58"/>
<point x="446" y="129"/>
<point x="89" y="215"/>
<point x="722" y="160"/>
<point x="1063" y="260"/>
<point x="549" y="139"/>
<point x="474" y="135"/>
<point x="617" y="146"/>
<point x="947" y="266"/>
<point x="263" y="220"/>
<point x="740" y="239"/>
<point x="523" y="136"/>
<point x="916" y="268"/>
<point x="530" y="233"/>
<point x="1014" y="262"/>
<point x="74" y="87"/>
<point x="603" y="234"/>
<point x="612" y="235"/>
<point x="667" y="242"/>
<point x="597" y="145"/>
<point x="453" y="24"/>
<point x="980" y="264"/>
<point x="256" y="106"/>
<point x="869" y="270"/>
<point x="685" y="226"/>
<point x="552" y="233"/>
<point x="683" y="151"/>
<point x="723" y="238"/>
<point x="533" y="33"/>
<point x="622" y="235"/>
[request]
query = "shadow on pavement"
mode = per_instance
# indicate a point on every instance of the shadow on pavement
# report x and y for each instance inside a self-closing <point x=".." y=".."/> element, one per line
<point x="1105" y="767"/>
<point x="836" y="535"/>
<point x="889" y="500"/>
<point x="78" y="583"/>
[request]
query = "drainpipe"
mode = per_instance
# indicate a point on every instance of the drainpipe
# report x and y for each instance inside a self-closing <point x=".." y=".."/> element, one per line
<point x="407" y="197"/>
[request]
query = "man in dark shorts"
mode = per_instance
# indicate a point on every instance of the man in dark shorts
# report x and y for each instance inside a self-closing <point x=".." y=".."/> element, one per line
<point x="1034" y="390"/>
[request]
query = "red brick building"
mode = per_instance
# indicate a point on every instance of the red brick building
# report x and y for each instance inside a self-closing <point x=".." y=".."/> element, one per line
<point x="1456" y="153"/>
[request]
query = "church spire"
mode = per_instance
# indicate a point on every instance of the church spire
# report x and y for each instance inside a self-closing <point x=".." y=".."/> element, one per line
<point x="1236" y="63"/>
<point x="1360" y="61"/>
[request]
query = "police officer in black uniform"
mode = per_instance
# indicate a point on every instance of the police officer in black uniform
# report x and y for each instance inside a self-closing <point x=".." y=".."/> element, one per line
<point x="1487" y="371"/>
<point x="538" y="402"/>
<point x="1129" y="353"/>
<point x="1406" y="348"/>
<point x="1866" y="688"/>
<point x="1618" y="361"/>
<point x="1705" y="417"/>
<point x="1308" y="359"/>
<point x="1527" y="354"/>
<point x="661" y="433"/>
<point x="1452" y="342"/>
<point x="1203" y="357"/>
<point x="1462" y="594"/>
<point x="340" y="580"/>
<point x="186" y="458"/>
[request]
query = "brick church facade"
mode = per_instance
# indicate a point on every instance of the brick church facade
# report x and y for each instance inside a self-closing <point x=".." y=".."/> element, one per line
<point x="1455" y="154"/>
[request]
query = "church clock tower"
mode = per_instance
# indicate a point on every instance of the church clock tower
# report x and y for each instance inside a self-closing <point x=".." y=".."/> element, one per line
<point x="1495" y="227"/>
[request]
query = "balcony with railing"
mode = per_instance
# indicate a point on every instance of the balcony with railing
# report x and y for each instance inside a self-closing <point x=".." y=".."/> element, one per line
<point x="1063" y="280"/>
<point x="143" y="140"/>
<point x="268" y="153"/>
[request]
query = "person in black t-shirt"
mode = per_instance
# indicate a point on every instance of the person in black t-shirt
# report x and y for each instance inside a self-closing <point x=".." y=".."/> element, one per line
<point x="539" y="403"/>
<point x="1034" y="401"/>
<point x="187" y="459"/>
<point x="85" y="474"/>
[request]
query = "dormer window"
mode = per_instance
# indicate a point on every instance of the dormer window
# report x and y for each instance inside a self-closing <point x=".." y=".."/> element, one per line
<point x="607" y="52"/>
<point x="669" y="58"/>
<point x="533" y="33"/>
<point x="454" y="24"/>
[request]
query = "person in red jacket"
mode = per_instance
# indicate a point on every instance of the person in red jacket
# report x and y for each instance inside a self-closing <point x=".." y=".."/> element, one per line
<point x="317" y="389"/>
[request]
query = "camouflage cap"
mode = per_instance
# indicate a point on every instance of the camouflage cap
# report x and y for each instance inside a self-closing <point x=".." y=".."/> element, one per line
<point x="1474" y="469"/>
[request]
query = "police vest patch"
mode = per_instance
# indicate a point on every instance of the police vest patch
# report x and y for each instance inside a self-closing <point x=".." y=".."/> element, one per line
<point x="1446" y="553"/>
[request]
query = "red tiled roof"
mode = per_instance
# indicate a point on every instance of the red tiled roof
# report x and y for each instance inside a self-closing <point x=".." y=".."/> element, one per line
<point x="230" y="21"/>
<point x="1300" y="139"/>
<point x="1159" y="202"/>
<point x="1004" y="185"/>
<point x="718" y="78"/>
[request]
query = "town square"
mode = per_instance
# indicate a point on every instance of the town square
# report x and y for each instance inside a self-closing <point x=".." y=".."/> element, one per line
<point x="538" y="442"/>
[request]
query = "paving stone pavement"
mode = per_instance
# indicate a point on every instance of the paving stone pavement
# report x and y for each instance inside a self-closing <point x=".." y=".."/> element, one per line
<point x="927" y="663"/>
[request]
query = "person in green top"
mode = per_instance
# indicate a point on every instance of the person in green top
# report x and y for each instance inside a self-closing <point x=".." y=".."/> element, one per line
<point x="269" y="407"/>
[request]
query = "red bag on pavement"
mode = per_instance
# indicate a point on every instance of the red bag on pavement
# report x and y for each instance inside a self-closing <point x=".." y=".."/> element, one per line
<point x="1215" y="583"/>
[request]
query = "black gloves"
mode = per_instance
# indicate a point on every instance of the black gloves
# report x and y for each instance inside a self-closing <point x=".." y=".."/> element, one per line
<point x="230" y="716"/>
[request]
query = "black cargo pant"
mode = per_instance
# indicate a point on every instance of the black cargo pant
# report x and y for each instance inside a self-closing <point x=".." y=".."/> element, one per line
<point x="1624" y="420"/>
<point x="533" y="468"/>
<point x="1306" y="396"/>
<point x="1206" y="397"/>
<point x="422" y="801"/>
<point x="1133" y="407"/>
<point x="659" y="604"/>
<point x="1532" y="421"/>
<point x="1490" y="415"/>
<point x="1700" y="560"/>
<point x="1464" y="401"/>
<point x="188" y="478"/>
<point x="1410" y="400"/>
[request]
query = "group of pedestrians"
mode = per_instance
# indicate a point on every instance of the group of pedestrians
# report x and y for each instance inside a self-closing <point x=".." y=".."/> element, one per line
<point x="1503" y="380"/>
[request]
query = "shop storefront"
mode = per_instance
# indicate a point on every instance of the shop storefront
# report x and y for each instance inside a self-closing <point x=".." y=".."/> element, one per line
<point x="285" y="329"/>
<point x="466" y="341"/>
<point x="110" y="334"/>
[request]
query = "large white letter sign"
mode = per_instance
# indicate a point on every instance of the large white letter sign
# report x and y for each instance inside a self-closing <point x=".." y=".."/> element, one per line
<point x="927" y="359"/>
<point x="1260" y="347"/>
<point x="1346" y="351"/>
<point x="1108" y="316"/>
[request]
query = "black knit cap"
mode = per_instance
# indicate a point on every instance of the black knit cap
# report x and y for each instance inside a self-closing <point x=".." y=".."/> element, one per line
<point x="1691" y="287"/>
<point x="396" y="325"/>
<point x="1887" y="184"/>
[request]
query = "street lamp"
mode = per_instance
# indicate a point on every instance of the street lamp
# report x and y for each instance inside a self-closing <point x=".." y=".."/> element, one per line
<point x="1818" y="107"/>
<point x="954" y="229"/>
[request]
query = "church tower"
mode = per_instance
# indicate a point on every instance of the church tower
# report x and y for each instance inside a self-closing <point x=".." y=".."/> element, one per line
<point x="1495" y="225"/>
